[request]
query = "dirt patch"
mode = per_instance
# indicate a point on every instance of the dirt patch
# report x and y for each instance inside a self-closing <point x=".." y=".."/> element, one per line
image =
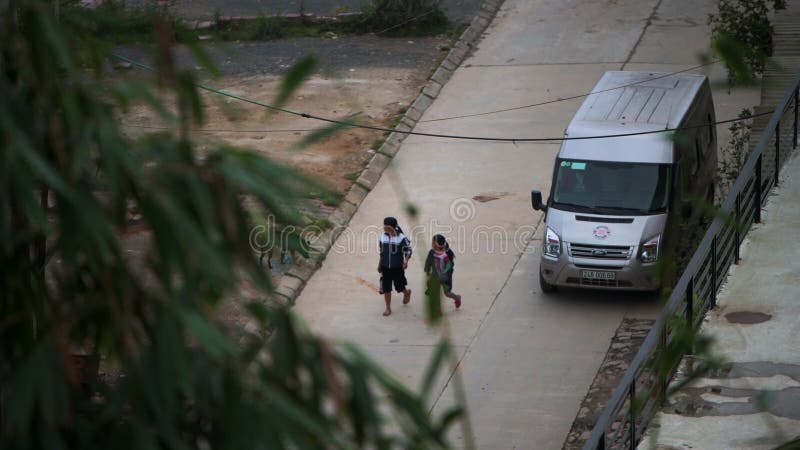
<point x="624" y="345"/>
<point x="372" y="96"/>
<point x="368" y="79"/>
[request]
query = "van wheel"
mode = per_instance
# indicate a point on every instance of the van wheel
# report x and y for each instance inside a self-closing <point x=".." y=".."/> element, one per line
<point x="546" y="287"/>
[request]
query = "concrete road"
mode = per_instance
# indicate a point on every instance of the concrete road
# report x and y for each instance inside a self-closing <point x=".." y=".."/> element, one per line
<point x="526" y="359"/>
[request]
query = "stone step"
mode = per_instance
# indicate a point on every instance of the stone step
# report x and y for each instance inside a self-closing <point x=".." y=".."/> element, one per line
<point x="786" y="24"/>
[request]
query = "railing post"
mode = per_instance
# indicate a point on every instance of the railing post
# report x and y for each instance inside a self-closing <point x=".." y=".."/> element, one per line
<point x="690" y="302"/>
<point x="796" y="99"/>
<point x="632" y="440"/>
<point x="713" y="272"/>
<point x="736" y="226"/>
<point x="777" y="151"/>
<point x="662" y="377"/>
<point x="757" y="208"/>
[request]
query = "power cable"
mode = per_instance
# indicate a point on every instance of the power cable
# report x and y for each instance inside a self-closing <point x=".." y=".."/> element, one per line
<point x="547" y="102"/>
<point x="446" y="136"/>
<point x="220" y="130"/>
<point x="406" y="21"/>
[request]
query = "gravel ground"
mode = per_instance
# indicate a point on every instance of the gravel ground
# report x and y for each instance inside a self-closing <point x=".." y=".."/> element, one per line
<point x="458" y="11"/>
<point x="334" y="55"/>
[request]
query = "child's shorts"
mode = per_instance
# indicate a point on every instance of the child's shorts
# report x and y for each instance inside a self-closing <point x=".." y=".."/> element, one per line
<point x="393" y="276"/>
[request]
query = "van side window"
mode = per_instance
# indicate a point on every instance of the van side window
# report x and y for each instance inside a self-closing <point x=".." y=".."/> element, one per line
<point x="710" y="129"/>
<point x="698" y="155"/>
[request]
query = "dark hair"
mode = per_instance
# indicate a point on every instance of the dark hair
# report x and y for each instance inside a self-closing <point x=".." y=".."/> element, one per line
<point x="441" y="241"/>
<point x="392" y="222"/>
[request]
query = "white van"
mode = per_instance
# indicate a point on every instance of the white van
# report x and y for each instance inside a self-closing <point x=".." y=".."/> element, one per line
<point x="613" y="200"/>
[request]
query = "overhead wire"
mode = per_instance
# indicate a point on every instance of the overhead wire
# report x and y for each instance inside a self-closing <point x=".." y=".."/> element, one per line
<point x="407" y="21"/>
<point x="221" y="130"/>
<point x="563" y="99"/>
<point x="438" y="135"/>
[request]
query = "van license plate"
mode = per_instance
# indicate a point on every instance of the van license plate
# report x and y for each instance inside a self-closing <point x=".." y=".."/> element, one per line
<point x="597" y="275"/>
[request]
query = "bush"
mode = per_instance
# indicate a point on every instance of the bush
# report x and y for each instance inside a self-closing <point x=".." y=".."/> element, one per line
<point x="746" y="23"/>
<point x="736" y="152"/>
<point x="404" y="17"/>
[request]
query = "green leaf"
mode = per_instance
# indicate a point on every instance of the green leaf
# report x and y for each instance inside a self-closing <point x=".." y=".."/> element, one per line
<point x="284" y="406"/>
<point x="438" y="359"/>
<point x="294" y="78"/>
<point x="199" y="53"/>
<point x="734" y="54"/>
<point x="433" y="300"/>
<point x="324" y="133"/>
<point x="450" y="416"/>
<point x="207" y="335"/>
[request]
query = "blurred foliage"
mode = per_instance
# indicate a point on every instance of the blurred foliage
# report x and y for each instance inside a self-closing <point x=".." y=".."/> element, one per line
<point x="735" y="153"/>
<point x="124" y="23"/>
<point x="742" y="36"/>
<point x="77" y="283"/>
<point x="403" y="18"/>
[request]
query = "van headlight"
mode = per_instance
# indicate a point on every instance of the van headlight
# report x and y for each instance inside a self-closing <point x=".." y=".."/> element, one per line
<point x="648" y="250"/>
<point x="552" y="244"/>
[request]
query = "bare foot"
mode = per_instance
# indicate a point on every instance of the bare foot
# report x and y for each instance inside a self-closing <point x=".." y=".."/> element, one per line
<point x="407" y="296"/>
<point x="388" y="312"/>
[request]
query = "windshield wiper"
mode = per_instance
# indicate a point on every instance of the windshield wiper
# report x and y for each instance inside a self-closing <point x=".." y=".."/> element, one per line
<point x="577" y="206"/>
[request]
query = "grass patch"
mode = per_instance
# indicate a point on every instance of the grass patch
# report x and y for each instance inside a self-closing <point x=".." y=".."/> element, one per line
<point x="377" y="144"/>
<point x="327" y="198"/>
<point x="322" y="224"/>
<point x="265" y="28"/>
<point x="124" y="25"/>
<point x="455" y="32"/>
<point x="403" y="18"/>
<point x="352" y="176"/>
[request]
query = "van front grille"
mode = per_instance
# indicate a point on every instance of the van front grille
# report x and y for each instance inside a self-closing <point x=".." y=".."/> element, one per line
<point x="600" y="251"/>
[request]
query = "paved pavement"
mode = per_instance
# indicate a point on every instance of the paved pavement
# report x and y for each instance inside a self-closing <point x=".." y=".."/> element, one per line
<point x="756" y="403"/>
<point x="526" y="359"/>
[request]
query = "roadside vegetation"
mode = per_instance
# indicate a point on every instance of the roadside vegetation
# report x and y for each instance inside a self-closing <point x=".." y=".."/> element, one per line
<point x="390" y="18"/>
<point x="742" y="34"/>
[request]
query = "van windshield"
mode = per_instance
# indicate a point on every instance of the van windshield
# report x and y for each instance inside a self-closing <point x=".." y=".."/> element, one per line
<point x="605" y="187"/>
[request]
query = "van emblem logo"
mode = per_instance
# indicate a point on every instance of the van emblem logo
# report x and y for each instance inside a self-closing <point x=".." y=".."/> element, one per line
<point x="598" y="252"/>
<point x="601" y="232"/>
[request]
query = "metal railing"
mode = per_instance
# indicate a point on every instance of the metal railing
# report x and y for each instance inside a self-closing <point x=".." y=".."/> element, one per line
<point x="621" y="425"/>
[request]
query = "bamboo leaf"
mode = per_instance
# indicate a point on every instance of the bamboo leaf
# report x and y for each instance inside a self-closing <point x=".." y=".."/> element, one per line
<point x="440" y="354"/>
<point x="211" y="340"/>
<point x="294" y="79"/>
<point x="433" y="300"/>
<point x="323" y="133"/>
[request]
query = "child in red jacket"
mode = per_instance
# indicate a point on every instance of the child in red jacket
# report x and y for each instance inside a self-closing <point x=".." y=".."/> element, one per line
<point x="441" y="262"/>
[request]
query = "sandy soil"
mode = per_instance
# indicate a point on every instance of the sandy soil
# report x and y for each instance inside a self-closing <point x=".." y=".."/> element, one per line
<point x="374" y="96"/>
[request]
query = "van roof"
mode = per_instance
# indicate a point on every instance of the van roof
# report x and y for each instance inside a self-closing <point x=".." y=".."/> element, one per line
<point x="630" y="102"/>
<point x="648" y="100"/>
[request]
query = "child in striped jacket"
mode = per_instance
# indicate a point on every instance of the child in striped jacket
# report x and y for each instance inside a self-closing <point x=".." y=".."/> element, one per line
<point x="395" y="251"/>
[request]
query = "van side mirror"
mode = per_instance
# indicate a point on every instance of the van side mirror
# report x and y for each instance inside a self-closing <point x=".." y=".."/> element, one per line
<point x="536" y="201"/>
